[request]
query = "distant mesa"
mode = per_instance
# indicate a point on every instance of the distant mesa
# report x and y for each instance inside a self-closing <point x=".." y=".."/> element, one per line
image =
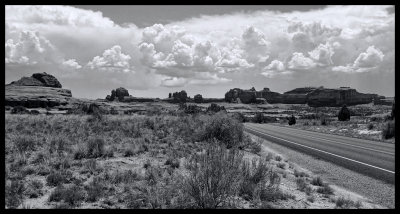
<point x="40" y="90"/>
<point x="38" y="79"/>
<point x="314" y="97"/>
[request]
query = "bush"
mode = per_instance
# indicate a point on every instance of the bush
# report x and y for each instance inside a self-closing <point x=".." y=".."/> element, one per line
<point x="24" y="143"/>
<point x="94" y="190"/>
<point x="95" y="148"/>
<point x="213" y="176"/>
<point x="278" y="158"/>
<point x="215" y="108"/>
<point x="301" y="184"/>
<point x="389" y="130"/>
<point x="190" y="109"/>
<point x="225" y="129"/>
<point x="317" y="181"/>
<point x="344" y="203"/>
<point x="300" y="174"/>
<point x="324" y="121"/>
<point x="239" y="117"/>
<point x="344" y="114"/>
<point x="72" y="195"/>
<point x="370" y="126"/>
<point x="292" y="120"/>
<point x="255" y="175"/>
<point x="258" y="117"/>
<point x="19" y="110"/>
<point x="269" y="157"/>
<point x="325" y="189"/>
<point x="174" y="163"/>
<point x="56" y="178"/>
<point x="13" y="194"/>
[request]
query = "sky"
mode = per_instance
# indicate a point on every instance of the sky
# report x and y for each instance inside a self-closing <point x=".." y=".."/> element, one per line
<point x="155" y="50"/>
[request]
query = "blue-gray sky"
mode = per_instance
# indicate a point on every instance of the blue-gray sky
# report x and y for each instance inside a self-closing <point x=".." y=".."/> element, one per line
<point x="154" y="50"/>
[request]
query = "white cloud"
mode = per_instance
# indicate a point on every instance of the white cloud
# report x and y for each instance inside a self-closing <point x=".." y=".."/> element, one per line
<point x="112" y="60"/>
<point x="322" y="55"/>
<point x="30" y="48"/>
<point x="370" y="58"/>
<point x="71" y="64"/>
<point x="365" y="62"/>
<point x="56" y="15"/>
<point x="300" y="62"/>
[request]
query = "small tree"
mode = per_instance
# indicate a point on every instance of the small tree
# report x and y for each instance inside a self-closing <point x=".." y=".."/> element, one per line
<point x="292" y="120"/>
<point x="169" y="95"/>
<point x="344" y="114"/>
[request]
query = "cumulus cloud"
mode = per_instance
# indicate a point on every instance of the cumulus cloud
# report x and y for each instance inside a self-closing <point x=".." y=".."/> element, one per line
<point x="300" y="62"/>
<point x="370" y="58"/>
<point x="322" y="55"/>
<point x="275" y="68"/>
<point x="112" y="60"/>
<point x="71" y="64"/>
<point x="30" y="48"/>
<point x="365" y="62"/>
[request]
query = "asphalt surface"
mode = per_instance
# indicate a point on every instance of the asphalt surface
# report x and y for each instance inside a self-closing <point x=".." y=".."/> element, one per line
<point x="371" y="158"/>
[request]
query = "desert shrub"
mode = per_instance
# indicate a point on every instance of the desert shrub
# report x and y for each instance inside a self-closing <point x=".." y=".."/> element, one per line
<point x="213" y="176"/>
<point x="370" y="126"/>
<point x="281" y="165"/>
<point x="306" y="123"/>
<point x="346" y="203"/>
<point x="269" y="157"/>
<point x="94" y="190"/>
<point x="24" y="143"/>
<point x="72" y="195"/>
<point x="190" y="109"/>
<point x="34" y="112"/>
<point x="324" y="121"/>
<point x="388" y="130"/>
<point x="239" y="117"/>
<point x="57" y="145"/>
<point x="311" y="198"/>
<point x="317" y="181"/>
<point x="19" y="110"/>
<point x="128" y="152"/>
<point x="301" y="184"/>
<point x="292" y="120"/>
<point x="91" y="166"/>
<point x="258" y="117"/>
<point x="344" y="114"/>
<point x="14" y="194"/>
<point x="278" y="158"/>
<point x="325" y="189"/>
<point x="174" y="163"/>
<point x="34" y="189"/>
<point x="215" y="108"/>
<point x="109" y="152"/>
<point x="95" y="147"/>
<point x="56" y="178"/>
<point x="147" y="164"/>
<point x="300" y="174"/>
<point x="79" y="153"/>
<point x="225" y="129"/>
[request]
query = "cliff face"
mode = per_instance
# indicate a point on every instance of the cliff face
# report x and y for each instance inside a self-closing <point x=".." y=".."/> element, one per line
<point x="338" y="97"/>
<point x="315" y="97"/>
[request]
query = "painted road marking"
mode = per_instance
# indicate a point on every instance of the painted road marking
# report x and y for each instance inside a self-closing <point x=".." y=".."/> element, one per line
<point x="325" y="152"/>
<point x="389" y="153"/>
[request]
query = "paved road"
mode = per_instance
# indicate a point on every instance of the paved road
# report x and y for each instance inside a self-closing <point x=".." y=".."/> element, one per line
<point x="372" y="158"/>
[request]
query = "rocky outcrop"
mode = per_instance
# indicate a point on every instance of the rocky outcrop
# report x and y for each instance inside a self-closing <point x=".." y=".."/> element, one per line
<point x="338" y="97"/>
<point x="41" y="90"/>
<point x="118" y="93"/>
<point x="38" y="79"/>
<point x="36" y="96"/>
<point x="314" y="97"/>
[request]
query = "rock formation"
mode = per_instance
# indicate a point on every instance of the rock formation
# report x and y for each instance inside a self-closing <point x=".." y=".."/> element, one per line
<point x="38" y="79"/>
<point x="314" y="97"/>
<point x="118" y="93"/>
<point x="40" y="90"/>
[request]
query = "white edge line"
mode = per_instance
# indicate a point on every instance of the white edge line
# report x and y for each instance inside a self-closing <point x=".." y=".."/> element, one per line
<point x="324" y="152"/>
<point x="328" y="140"/>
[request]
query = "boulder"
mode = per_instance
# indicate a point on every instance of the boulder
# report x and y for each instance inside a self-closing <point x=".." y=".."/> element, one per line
<point x="38" y="79"/>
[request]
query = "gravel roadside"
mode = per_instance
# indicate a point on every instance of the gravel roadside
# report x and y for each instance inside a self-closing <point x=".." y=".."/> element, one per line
<point x="344" y="180"/>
